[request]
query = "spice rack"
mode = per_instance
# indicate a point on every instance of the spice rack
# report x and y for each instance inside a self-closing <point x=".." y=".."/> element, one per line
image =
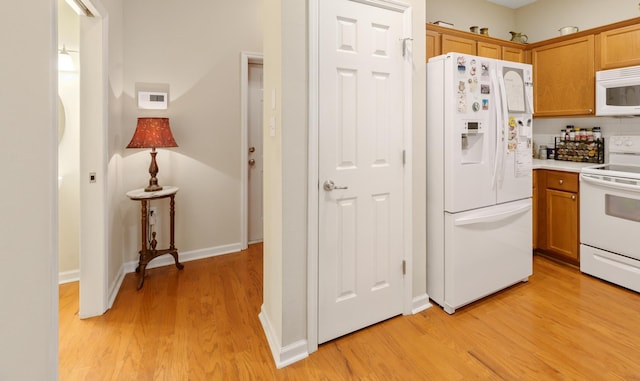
<point x="583" y="151"/>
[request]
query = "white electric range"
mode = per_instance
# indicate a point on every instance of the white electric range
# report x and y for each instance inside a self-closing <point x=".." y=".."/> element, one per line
<point x="610" y="215"/>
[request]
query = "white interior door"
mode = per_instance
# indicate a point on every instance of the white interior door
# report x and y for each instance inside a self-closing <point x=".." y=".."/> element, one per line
<point x="255" y="162"/>
<point x="360" y="249"/>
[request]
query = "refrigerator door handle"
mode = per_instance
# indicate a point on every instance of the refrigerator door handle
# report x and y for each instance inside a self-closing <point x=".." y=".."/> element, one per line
<point x="499" y="127"/>
<point x="504" y="120"/>
<point x="491" y="217"/>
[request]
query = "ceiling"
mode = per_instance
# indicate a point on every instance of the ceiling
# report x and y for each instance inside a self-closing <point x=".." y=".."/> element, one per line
<point x="513" y="3"/>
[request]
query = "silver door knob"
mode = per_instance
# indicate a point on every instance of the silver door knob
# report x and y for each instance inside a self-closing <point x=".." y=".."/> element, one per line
<point x="252" y="162"/>
<point x="329" y="185"/>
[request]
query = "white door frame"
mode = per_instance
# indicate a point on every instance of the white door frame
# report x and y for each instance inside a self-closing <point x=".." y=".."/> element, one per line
<point x="313" y="161"/>
<point x="246" y="58"/>
<point x="94" y="205"/>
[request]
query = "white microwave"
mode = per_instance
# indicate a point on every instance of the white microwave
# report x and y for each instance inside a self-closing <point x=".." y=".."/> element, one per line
<point x="618" y="91"/>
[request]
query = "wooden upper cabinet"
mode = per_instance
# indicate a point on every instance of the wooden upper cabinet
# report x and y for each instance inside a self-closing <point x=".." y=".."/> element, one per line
<point x="441" y="40"/>
<point x="564" y="77"/>
<point x="485" y="49"/>
<point x="433" y="44"/>
<point x="619" y="47"/>
<point x="458" y="44"/>
<point x="513" y="54"/>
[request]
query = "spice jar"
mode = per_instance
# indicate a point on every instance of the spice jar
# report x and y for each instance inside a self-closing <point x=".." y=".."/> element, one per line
<point x="589" y="135"/>
<point x="597" y="134"/>
<point x="542" y="153"/>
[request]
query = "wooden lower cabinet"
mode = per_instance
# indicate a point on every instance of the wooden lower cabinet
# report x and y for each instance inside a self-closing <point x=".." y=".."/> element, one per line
<point x="562" y="225"/>
<point x="556" y="229"/>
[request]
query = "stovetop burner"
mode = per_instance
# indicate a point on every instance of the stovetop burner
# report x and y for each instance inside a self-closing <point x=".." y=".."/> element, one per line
<point x="618" y="168"/>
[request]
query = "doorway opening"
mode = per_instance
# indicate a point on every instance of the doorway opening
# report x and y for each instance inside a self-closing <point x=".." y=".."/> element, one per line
<point x="251" y="148"/>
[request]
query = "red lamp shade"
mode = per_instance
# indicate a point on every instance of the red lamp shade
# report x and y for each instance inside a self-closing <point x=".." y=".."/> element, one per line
<point x="152" y="133"/>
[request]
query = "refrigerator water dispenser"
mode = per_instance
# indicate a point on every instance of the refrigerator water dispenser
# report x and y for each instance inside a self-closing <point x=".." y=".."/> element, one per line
<point x="472" y="143"/>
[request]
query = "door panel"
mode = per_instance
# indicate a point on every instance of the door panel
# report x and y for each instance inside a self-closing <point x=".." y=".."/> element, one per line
<point x="360" y="149"/>
<point x="254" y="140"/>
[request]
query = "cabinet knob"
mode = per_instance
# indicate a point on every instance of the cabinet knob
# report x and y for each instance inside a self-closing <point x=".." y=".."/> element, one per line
<point x="561" y="181"/>
<point x="573" y="197"/>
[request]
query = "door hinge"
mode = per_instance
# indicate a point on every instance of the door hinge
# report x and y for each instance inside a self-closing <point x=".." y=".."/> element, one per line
<point x="404" y="157"/>
<point x="404" y="267"/>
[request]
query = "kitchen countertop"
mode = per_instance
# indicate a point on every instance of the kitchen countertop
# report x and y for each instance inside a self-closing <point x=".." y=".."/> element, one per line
<point x="559" y="165"/>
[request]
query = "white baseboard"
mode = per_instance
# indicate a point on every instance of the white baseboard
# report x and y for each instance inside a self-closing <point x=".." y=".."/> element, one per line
<point x="68" y="276"/>
<point x="185" y="256"/>
<point x="420" y="303"/>
<point x="286" y="355"/>
<point x="115" y="287"/>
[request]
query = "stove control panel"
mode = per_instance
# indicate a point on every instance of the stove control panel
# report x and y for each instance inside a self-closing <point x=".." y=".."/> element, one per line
<point x="624" y="144"/>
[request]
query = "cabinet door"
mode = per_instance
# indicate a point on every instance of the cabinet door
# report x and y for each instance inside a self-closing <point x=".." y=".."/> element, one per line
<point x="488" y="50"/>
<point x="512" y="54"/>
<point x="620" y="47"/>
<point x="458" y="45"/>
<point x="433" y="44"/>
<point x="562" y="224"/>
<point x="564" y="77"/>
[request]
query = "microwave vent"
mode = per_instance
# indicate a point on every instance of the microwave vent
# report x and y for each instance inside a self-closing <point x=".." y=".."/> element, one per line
<point x="622" y="73"/>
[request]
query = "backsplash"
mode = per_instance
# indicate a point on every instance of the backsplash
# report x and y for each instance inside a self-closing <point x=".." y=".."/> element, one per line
<point x="546" y="129"/>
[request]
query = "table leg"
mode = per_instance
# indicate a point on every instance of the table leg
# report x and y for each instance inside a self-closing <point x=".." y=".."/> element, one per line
<point x="142" y="265"/>
<point x="172" y="219"/>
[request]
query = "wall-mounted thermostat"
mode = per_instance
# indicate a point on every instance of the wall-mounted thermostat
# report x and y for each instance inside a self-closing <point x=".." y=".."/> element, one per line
<point x="153" y="100"/>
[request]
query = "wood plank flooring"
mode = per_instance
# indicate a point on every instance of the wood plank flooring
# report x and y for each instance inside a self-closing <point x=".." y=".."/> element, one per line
<point x="201" y="323"/>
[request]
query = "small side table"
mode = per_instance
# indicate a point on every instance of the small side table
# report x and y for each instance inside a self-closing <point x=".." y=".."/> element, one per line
<point x="148" y="253"/>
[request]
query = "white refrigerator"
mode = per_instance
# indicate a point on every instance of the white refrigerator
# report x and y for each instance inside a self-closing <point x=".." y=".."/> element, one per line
<point x="479" y="171"/>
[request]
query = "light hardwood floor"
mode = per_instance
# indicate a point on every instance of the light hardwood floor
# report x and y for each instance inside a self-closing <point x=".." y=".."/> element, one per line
<point x="201" y="323"/>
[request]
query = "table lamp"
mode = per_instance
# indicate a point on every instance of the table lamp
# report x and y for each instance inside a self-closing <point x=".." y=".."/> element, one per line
<point x="152" y="133"/>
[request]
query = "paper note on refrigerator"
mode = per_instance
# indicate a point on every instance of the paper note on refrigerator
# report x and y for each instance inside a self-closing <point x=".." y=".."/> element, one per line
<point x="524" y="161"/>
<point x="514" y="87"/>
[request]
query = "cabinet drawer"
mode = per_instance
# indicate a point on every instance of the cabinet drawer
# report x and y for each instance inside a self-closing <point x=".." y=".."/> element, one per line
<point x="565" y="181"/>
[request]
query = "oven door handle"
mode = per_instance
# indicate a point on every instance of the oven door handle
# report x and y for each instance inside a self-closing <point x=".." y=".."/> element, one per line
<point x="609" y="184"/>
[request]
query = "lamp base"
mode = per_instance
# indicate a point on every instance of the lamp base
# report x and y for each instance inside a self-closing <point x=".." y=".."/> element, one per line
<point x="153" y="171"/>
<point x="153" y="188"/>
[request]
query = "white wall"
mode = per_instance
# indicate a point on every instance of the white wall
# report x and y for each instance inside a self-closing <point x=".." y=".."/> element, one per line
<point x="419" y="180"/>
<point x="193" y="47"/>
<point x="465" y="13"/>
<point x="115" y="94"/>
<point x="28" y="195"/>
<point x="546" y="129"/>
<point x="542" y="19"/>
<point x="273" y="75"/>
